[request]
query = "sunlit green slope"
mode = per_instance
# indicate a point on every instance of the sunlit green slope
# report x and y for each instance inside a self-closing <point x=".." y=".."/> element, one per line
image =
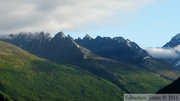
<point x="25" y="77"/>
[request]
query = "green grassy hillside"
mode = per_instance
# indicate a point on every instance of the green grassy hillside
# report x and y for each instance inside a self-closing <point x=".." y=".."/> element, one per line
<point x="25" y="77"/>
<point x="147" y="77"/>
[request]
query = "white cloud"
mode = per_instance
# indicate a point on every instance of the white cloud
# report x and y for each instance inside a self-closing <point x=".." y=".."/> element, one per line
<point x="164" y="53"/>
<point x="57" y="15"/>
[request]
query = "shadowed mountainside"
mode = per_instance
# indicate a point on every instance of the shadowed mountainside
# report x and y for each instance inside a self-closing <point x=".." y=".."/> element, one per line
<point x="172" y="88"/>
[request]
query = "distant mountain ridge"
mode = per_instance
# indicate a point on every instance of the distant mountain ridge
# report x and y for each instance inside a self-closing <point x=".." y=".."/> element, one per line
<point x="53" y="48"/>
<point x="116" y="48"/>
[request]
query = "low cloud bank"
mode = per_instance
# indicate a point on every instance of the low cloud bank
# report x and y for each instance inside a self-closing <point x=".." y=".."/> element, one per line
<point x="164" y="53"/>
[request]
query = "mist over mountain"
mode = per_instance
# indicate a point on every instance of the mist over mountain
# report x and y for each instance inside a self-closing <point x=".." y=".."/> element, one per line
<point x="170" y="51"/>
<point x="164" y="52"/>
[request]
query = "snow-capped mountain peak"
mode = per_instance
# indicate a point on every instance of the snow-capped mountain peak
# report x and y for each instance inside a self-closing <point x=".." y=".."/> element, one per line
<point x="175" y="41"/>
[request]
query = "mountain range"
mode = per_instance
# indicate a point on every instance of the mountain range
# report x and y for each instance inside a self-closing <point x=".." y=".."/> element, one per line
<point x="117" y="48"/>
<point x="116" y="61"/>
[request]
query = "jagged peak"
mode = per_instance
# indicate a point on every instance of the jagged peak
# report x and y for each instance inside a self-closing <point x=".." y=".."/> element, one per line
<point x="87" y="37"/>
<point x="177" y="37"/>
<point x="60" y="35"/>
<point x="29" y="35"/>
<point x="79" y="38"/>
<point x="106" y="38"/>
<point x="98" y="37"/>
<point x="23" y="33"/>
<point x="174" y="41"/>
<point x="120" y="39"/>
<point x="42" y="35"/>
<point x="38" y="34"/>
<point x="128" y="41"/>
<point x="70" y="37"/>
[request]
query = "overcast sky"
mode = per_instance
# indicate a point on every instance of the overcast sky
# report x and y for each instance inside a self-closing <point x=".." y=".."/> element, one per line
<point x="150" y="23"/>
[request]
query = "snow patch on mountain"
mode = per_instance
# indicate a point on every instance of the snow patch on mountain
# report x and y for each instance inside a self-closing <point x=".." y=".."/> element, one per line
<point x="176" y="64"/>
